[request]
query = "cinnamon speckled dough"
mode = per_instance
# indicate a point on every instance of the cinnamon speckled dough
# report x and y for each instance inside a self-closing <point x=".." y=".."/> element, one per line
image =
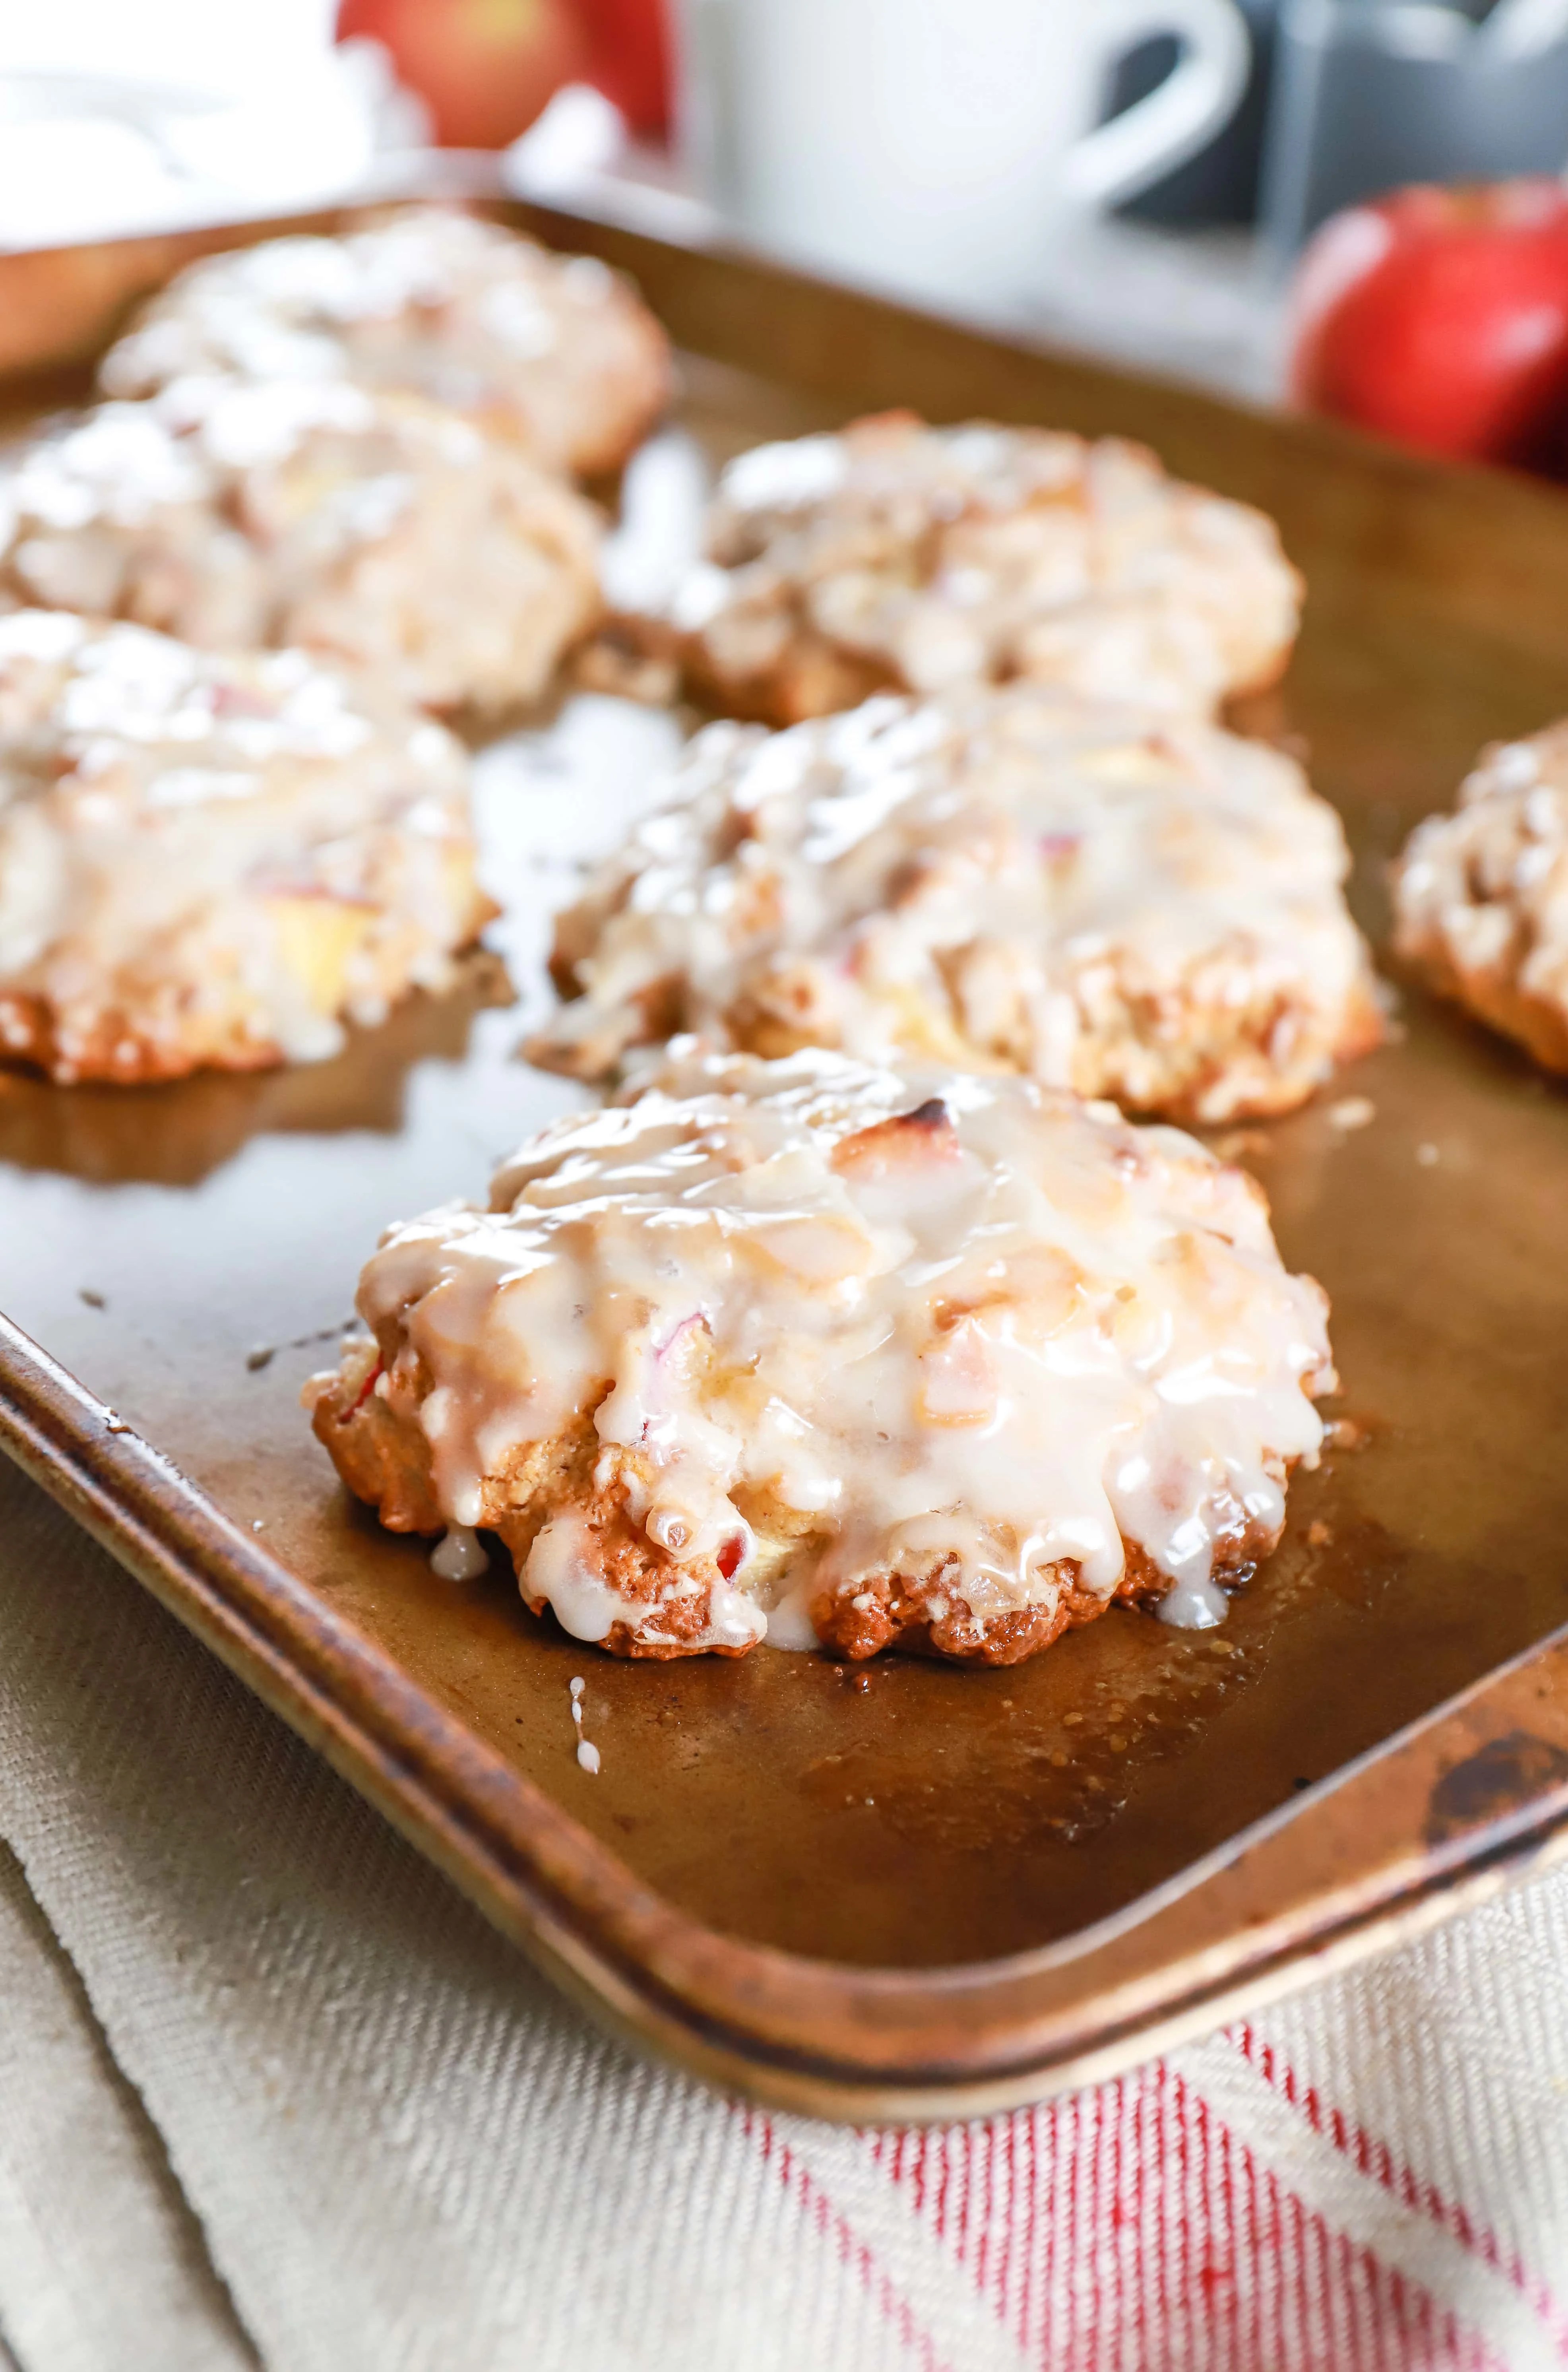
<point x="378" y="529"/>
<point x="825" y="1352"/>
<point x="429" y="302"/>
<point x="213" y="858"/>
<point x="1118" y="903"/>
<point x="1480" y="897"/>
<point x="897" y="556"/>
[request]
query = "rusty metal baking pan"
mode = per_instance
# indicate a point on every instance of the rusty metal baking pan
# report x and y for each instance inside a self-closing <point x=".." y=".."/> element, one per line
<point x="910" y="1891"/>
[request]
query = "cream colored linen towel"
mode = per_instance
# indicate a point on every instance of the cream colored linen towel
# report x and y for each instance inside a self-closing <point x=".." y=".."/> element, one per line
<point x="404" y="2155"/>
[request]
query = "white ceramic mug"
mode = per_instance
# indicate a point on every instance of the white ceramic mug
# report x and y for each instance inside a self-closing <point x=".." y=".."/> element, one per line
<point x="929" y="145"/>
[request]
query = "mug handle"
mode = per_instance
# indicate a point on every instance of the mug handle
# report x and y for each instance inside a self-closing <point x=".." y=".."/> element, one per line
<point x="1196" y="99"/>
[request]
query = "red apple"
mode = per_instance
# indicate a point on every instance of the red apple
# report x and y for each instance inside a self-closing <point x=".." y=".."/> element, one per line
<point x="484" y="68"/>
<point x="1440" y="317"/>
<point x="628" y="59"/>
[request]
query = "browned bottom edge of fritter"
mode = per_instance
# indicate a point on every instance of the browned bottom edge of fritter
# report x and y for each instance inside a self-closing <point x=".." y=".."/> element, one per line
<point x="384" y="1459"/>
<point x="1492" y="995"/>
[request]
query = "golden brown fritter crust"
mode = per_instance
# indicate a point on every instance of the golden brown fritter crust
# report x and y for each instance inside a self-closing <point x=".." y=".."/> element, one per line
<point x="898" y="1614"/>
<point x="385" y="1460"/>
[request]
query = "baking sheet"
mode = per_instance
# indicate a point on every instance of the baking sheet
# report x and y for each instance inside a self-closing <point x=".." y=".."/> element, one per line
<point x="189" y="1253"/>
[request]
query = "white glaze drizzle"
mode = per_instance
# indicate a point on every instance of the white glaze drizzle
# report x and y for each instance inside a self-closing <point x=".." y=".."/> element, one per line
<point x="166" y="814"/>
<point x="431" y="301"/>
<point x="239" y="515"/>
<point x="1002" y="1333"/>
<point x="977" y="552"/>
<point x="587" y="1752"/>
<point x="1019" y="876"/>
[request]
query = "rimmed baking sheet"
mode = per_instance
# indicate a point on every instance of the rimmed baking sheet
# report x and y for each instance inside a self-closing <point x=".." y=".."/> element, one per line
<point x="189" y="1254"/>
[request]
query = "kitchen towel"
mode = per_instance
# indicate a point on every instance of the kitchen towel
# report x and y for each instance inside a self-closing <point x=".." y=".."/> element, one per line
<point x="270" y="2090"/>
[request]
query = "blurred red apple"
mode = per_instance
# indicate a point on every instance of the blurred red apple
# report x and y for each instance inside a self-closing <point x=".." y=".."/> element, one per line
<point x="484" y="68"/>
<point x="628" y="59"/>
<point x="1440" y="317"/>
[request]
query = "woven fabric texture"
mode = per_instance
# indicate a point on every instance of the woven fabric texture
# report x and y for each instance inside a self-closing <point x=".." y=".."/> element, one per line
<point x="270" y="2089"/>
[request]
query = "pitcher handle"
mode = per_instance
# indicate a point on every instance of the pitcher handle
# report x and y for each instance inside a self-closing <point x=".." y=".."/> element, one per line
<point x="1196" y="99"/>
